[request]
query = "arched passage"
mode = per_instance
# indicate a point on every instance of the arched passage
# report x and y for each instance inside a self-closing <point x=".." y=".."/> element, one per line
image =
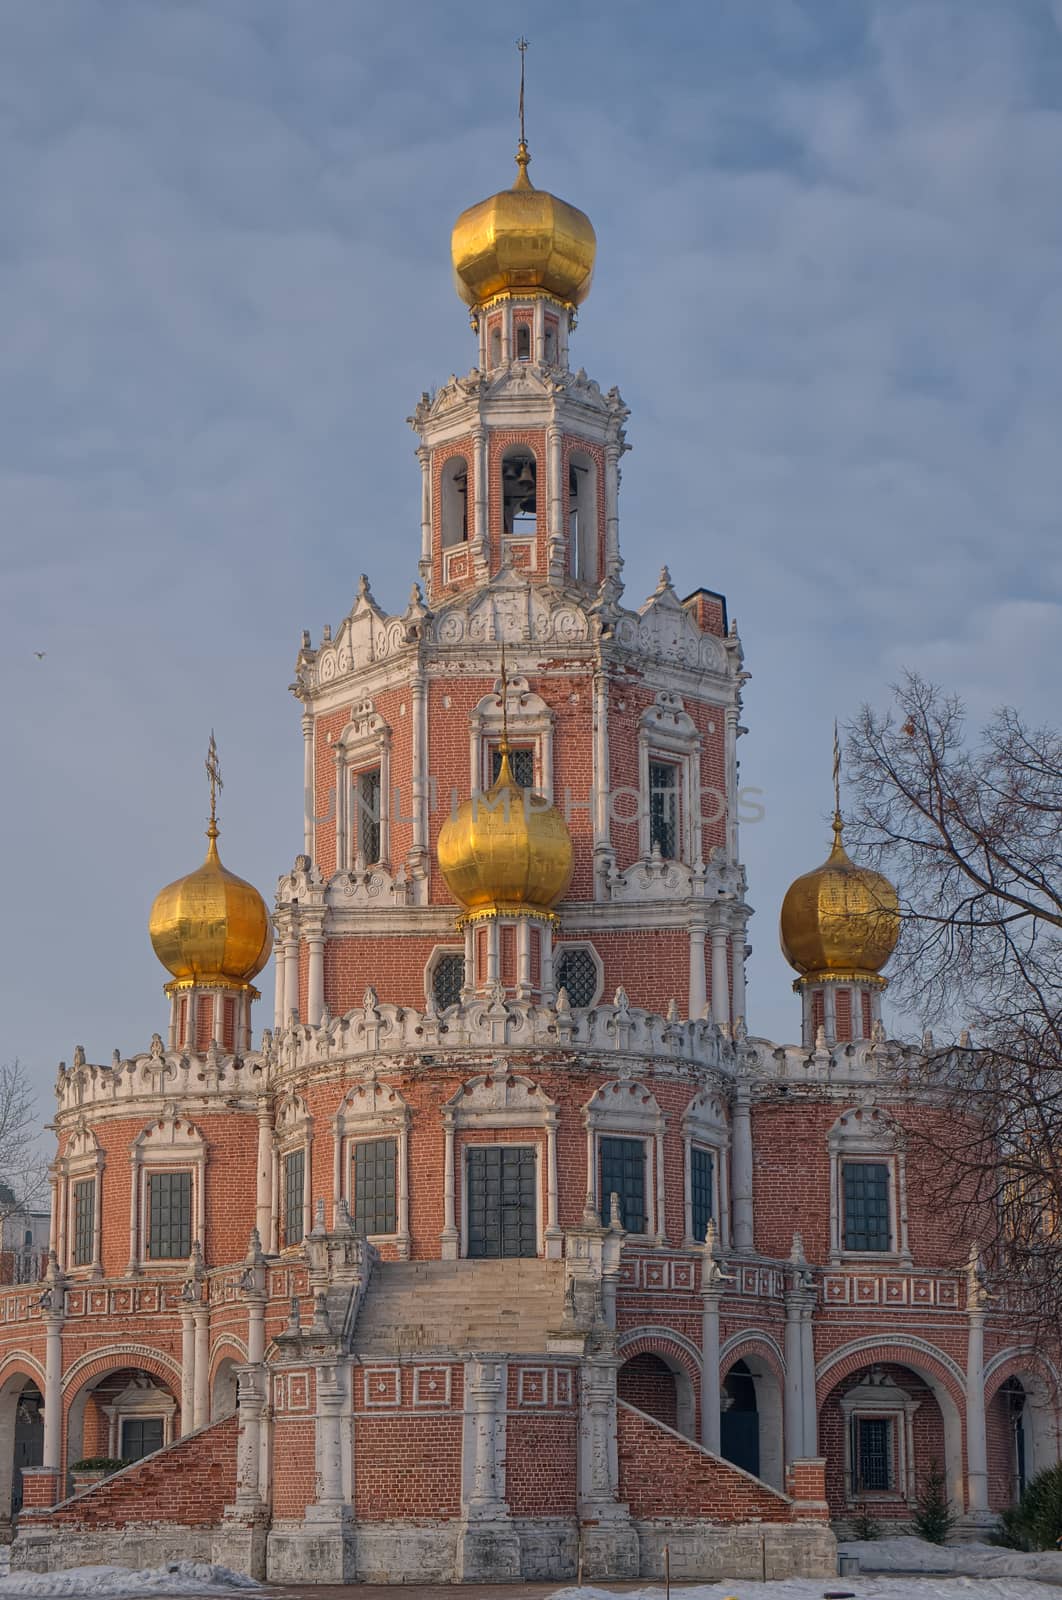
<point x="223" y="1388"/>
<point x="654" y="1379"/>
<point x="21" y="1436"/>
<point x="1021" y="1423"/>
<point x="887" y="1412"/>
<point x="121" y="1413"/>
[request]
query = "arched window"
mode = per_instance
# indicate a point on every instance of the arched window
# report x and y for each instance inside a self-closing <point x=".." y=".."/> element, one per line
<point x="495" y="346"/>
<point x="454" y="501"/>
<point x="582" y="518"/>
<point x="523" y="342"/>
<point x="518" y="487"/>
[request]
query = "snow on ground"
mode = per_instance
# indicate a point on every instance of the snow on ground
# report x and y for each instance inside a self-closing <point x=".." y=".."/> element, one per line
<point x="954" y="1588"/>
<point x="120" y="1583"/>
<point x="971" y="1560"/>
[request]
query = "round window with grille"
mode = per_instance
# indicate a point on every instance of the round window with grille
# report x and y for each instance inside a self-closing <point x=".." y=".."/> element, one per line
<point x="447" y="981"/>
<point x="576" y="971"/>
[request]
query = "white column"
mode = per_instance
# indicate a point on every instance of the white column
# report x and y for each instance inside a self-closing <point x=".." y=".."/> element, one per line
<point x="481" y="526"/>
<point x="545" y="946"/>
<point x="598" y="1476"/>
<point x="264" y="1173"/>
<point x="63" y="1222"/>
<point x="252" y="1399"/>
<point x="602" y="837"/>
<point x="420" y="786"/>
<point x="278" y="993"/>
<point x="449" y="1236"/>
<point x="710" y="1395"/>
<point x="807" y="1375"/>
<point x="53" y="1220"/>
<point x="794" y="1381"/>
<point x="134" y="1209"/>
<point x="291" y="977"/>
<point x="507" y="331"/>
<point x="829" y="995"/>
<point x="658" y="1169"/>
<point x="483" y="1465"/>
<point x="53" y="1387"/>
<point x="171" y="1032"/>
<point x="976" y="1439"/>
<point x="720" y="977"/>
<point x="187" y="1370"/>
<point x="563" y="338"/>
<point x="424" y="457"/>
<point x="738" y="953"/>
<point x="741" y="1166"/>
<point x="493" y="952"/>
<point x="402" y="1246"/>
<point x="523" y="958"/>
<point x="538" y="349"/>
<point x="554" y="1235"/>
<point x="556" y="530"/>
<point x="315" y="996"/>
<point x="331" y="1394"/>
<point x="612" y="560"/>
<point x="201" y="1385"/>
<point x="309" y="797"/>
<point x="698" y="980"/>
<point x="191" y="1022"/>
<point x="730" y="779"/>
<point x="97" y="1221"/>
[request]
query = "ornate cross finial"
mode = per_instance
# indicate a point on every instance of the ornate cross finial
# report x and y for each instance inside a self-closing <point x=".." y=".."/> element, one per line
<point x="213" y="769"/>
<point x="522" y="157"/>
<point x="504" y="704"/>
<point x="836" y="782"/>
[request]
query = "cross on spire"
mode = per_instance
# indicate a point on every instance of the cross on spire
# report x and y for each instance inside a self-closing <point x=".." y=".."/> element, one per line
<point x="521" y="45"/>
<point x="213" y="770"/>
<point x="505" y="705"/>
<point x="836" y="782"/>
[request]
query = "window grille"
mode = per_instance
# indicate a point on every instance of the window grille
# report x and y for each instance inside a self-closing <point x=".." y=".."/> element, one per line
<point x="521" y="765"/>
<point x="84" y="1221"/>
<point x="447" y="981"/>
<point x="623" y="1173"/>
<point x="140" y="1437"/>
<point x="663" y="808"/>
<point x="576" y="971"/>
<point x="872" y="1454"/>
<point x="701" y="1173"/>
<point x="369" y="814"/>
<point x="294" y="1196"/>
<point x="169" y="1215"/>
<point x="866" y="1205"/>
<point x="375" y="1186"/>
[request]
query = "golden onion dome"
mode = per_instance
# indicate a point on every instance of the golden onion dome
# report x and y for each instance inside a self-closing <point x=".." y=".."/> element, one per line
<point x="505" y="850"/>
<point x="211" y="927"/>
<point x="521" y="241"/>
<point x="840" y="920"/>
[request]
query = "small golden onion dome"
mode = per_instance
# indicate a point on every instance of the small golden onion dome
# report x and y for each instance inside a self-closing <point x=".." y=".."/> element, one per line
<point x="522" y="240"/>
<point x="506" y="850"/>
<point x="211" y="927"/>
<point x="840" y="920"/>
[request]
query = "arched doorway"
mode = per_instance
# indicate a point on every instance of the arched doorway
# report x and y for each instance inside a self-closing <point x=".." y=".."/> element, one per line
<point x="224" y="1396"/>
<point x="1021" y="1423"/>
<point x="661" y="1388"/>
<point x="21" y="1438"/>
<point x="739" y="1422"/>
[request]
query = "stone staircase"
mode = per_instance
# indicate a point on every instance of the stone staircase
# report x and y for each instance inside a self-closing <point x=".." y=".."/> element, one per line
<point x="418" y="1307"/>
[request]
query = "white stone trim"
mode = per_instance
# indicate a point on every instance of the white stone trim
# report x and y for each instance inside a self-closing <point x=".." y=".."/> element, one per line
<point x="704" y="1124"/>
<point x="293" y="1132"/>
<point x="501" y="1099"/>
<point x="139" y="1402"/>
<point x="82" y="1159"/>
<point x="364" y="743"/>
<point x="530" y="724"/>
<point x="174" y="1145"/>
<point x="881" y="1401"/>
<point x="624" y="1108"/>
<point x="439" y="953"/>
<point x="868" y="1133"/>
<point x="374" y="1110"/>
<point x="667" y="733"/>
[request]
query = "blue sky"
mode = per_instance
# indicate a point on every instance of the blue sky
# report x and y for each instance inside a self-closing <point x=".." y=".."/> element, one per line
<point x="829" y="286"/>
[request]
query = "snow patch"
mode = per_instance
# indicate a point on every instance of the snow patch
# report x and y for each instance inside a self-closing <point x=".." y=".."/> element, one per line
<point x="119" y="1583"/>
<point x="814" y="1588"/>
<point x="972" y="1560"/>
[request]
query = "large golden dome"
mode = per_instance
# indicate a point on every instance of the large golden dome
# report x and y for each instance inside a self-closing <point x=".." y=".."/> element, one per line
<point x="520" y="241"/>
<point x="505" y="851"/>
<point x="840" y="920"/>
<point x="211" y="927"/>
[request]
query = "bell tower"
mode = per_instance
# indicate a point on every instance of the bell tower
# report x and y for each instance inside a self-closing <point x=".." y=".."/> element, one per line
<point x="520" y="459"/>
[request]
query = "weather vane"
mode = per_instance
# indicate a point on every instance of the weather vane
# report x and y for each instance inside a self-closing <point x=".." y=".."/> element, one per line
<point x="213" y="769"/>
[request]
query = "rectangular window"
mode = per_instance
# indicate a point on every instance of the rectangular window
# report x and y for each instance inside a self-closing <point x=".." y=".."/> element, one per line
<point x="376" y="1186"/>
<point x="866" y="1205"/>
<point x="84" y="1221"/>
<point x="140" y="1436"/>
<point x="623" y="1173"/>
<point x="663" y="808"/>
<point x="843" y="1014"/>
<point x="169" y="1215"/>
<point x="701" y="1173"/>
<point x="294" y="1193"/>
<point x="521" y="765"/>
<point x="368" y="796"/>
<point x="872" y="1454"/>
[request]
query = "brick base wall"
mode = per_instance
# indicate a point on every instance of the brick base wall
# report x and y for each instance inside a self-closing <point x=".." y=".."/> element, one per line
<point x="190" y="1483"/>
<point x="663" y="1475"/>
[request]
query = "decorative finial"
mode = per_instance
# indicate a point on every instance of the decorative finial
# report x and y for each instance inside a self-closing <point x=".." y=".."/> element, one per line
<point x="522" y="157"/>
<point x="838" y="824"/>
<point x="504" y="747"/>
<point x="213" y="769"/>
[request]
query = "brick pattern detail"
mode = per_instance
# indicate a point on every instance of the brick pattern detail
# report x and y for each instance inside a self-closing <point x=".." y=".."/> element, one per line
<point x="190" y="1483"/>
<point x="663" y="1475"/>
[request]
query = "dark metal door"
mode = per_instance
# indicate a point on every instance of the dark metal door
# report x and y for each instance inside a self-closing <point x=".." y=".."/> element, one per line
<point x="740" y="1439"/>
<point x="501" y="1200"/>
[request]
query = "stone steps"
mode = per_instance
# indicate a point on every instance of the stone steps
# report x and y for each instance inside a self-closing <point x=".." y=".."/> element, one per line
<point x="421" y="1306"/>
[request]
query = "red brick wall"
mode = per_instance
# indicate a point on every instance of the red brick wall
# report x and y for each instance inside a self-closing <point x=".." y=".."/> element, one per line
<point x="646" y="1382"/>
<point x="407" y="1466"/>
<point x="190" y="1483"/>
<point x="663" y="1475"/>
<point x="540" y="1479"/>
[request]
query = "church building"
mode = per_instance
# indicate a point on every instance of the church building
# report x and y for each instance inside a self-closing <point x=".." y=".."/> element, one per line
<point x="503" y="1248"/>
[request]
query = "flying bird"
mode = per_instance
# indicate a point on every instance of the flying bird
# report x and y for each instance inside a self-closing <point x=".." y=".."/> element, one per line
<point x="40" y="654"/>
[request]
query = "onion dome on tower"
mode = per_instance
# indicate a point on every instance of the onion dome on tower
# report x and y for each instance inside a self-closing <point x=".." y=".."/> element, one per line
<point x="211" y="930"/>
<point x="839" y="925"/>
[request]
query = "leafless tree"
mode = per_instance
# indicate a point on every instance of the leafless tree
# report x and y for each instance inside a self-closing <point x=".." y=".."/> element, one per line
<point x="23" y="1170"/>
<point x="969" y="828"/>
